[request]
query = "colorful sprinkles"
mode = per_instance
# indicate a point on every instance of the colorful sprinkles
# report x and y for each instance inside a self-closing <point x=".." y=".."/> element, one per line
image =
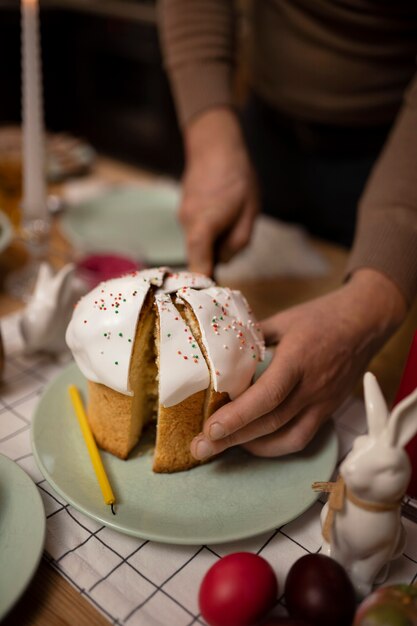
<point x="226" y="317"/>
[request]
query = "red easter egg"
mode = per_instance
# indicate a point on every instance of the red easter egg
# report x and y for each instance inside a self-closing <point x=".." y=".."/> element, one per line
<point x="238" y="590"/>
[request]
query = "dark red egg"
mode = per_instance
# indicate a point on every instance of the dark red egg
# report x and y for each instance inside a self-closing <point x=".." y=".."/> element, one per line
<point x="238" y="590"/>
<point x="284" y="621"/>
<point x="319" y="591"/>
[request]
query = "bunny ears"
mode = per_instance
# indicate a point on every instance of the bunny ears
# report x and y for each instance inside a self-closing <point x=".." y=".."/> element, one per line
<point x="396" y="428"/>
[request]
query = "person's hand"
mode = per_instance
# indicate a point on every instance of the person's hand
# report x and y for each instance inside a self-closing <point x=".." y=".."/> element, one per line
<point x="219" y="200"/>
<point x="323" y="348"/>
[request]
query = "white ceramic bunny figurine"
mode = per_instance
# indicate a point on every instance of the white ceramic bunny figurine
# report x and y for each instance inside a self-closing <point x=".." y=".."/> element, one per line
<point x="366" y="532"/>
<point x="47" y="314"/>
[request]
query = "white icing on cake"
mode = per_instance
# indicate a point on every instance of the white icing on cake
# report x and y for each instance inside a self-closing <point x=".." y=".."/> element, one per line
<point x="155" y="275"/>
<point x="175" y="280"/>
<point x="229" y="336"/>
<point x="243" y="312"/>
<point x="102" y="330"/>
<point x="103" y="327"/>
<point x="182" y="368"/>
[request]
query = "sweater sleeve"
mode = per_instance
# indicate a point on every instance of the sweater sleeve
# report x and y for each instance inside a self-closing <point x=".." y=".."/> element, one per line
<point x="386" y="232"/>
<point x="198" y="41"/>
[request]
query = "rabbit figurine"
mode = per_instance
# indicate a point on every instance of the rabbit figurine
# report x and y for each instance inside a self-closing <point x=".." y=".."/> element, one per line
<point x="47" y="314"/>
<point x="366" y="531"/>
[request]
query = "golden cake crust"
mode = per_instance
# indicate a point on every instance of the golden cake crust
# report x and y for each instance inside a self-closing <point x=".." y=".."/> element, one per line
<point x="177" y="426"/>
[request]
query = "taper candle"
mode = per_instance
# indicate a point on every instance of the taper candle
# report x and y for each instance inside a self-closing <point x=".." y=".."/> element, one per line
<point x="34" y="183"/>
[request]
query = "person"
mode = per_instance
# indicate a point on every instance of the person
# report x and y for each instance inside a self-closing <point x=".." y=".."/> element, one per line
<point x="331" y="125"/>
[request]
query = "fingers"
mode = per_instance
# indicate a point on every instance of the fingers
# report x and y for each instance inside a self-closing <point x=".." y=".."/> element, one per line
<point x="210" y="235"/>
<point x="293" y="437"/>
<point x="240" y="235"/>
<point x="268" y="399"/>
<point x="200" y="244"/>
<point x="202" y="447"/>
<point x="203" y="228"/>
<point x="236" y="240"/>
<point x="268" y="393"/>
<point x="217" y="220"/>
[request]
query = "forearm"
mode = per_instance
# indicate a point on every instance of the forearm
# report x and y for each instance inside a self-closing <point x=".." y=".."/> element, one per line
<point x="218" y="126"/>
<point x="386" y="237"/>
<point x="197" y="40"/>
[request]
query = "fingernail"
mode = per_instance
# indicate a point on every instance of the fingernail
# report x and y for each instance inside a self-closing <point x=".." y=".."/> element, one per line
<point x="203" y="449"/>
<point x="216" y="431"/>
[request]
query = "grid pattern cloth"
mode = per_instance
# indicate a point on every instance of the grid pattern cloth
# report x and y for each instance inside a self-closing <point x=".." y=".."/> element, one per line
<point x="133" y="581"/>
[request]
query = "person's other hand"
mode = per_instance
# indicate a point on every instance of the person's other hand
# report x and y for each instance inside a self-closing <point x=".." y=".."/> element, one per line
<point x="219" y="200"/>
<point x="323" y="347"/>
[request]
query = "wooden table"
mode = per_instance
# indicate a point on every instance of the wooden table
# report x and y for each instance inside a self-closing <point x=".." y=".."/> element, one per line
<point x="50" y="600"/>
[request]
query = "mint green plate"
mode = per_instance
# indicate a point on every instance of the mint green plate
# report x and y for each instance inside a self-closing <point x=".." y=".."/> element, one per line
<point x="233" y="497"/>
<point x="22" y="532"/>
<point x="140" y="222"/>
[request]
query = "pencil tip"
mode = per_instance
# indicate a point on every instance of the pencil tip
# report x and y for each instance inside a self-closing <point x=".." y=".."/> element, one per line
<point x="112" y="509"/>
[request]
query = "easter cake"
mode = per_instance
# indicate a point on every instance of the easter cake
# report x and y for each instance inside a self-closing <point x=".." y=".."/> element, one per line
<point x="164" y="346"/>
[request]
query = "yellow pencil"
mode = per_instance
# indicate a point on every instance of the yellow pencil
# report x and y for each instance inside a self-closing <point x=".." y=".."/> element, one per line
<point x="92" y="447"/>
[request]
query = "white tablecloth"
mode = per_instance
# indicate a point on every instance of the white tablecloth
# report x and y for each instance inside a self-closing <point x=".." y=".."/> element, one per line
<point x="133" y="581"/>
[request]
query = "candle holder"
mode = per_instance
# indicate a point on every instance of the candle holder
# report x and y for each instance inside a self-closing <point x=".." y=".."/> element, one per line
<point x="34" y="235"/>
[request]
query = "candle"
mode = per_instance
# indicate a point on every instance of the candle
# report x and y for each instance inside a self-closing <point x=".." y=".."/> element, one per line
<point x="34" y="184"/>
<point x="98" y="466"/>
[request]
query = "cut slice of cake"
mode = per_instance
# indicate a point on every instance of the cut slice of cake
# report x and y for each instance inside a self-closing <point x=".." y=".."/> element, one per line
<point x="117" y="419"/>
<point x="111" y="337"/>
<point x="213" y="399"/>
<point x="183" y="381"/>
<point x="230" y="338"/>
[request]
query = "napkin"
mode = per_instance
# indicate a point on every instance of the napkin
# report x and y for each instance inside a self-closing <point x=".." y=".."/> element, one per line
<point x="275" y="249"/>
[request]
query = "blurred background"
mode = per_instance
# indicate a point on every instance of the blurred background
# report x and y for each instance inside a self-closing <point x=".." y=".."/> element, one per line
<point x="103" y="78"/>
<point x="111" y="126"/>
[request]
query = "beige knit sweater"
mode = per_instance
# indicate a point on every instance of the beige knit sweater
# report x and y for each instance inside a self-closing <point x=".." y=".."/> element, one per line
<point x="333" y="61"/>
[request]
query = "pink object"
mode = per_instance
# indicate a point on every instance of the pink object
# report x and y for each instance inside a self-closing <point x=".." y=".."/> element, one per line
<point x="99" y="267"/>
<point x="407" y="384"/>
